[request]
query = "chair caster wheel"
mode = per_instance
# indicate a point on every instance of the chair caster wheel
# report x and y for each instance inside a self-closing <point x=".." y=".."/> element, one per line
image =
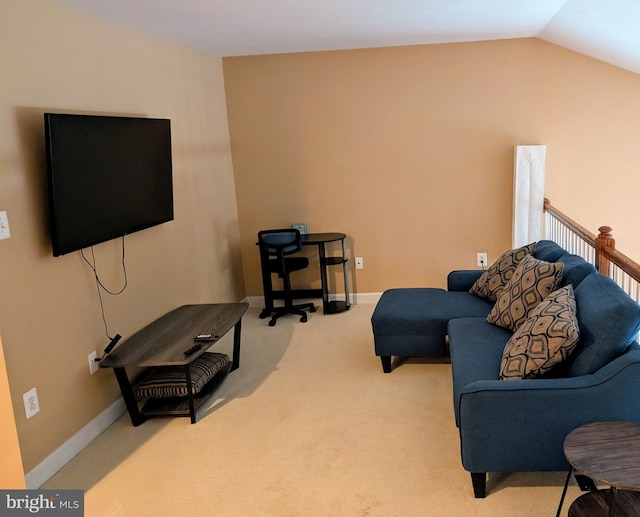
<point x="303" y="318"/>
<point x="272" y="323"/>
<point x="312" y="309"/>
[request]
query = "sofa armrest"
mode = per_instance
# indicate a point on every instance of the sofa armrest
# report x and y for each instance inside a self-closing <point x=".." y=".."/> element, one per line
<point x="520" y="426"/>
<point x="463" y="279"/>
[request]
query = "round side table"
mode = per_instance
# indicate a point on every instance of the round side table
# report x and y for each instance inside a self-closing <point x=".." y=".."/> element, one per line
<point x="608" y="453"/>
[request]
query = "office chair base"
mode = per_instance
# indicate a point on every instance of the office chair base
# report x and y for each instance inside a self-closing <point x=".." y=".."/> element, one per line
<point x="278" y="312"/>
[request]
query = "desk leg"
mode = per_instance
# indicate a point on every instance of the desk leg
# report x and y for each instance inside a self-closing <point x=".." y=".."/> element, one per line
<point x="129" y="397"/>
<point x="267" y="286"/>
<point x="236" y="345"/>
<point x="323" y="278"/>
<point x="347" y="300"/>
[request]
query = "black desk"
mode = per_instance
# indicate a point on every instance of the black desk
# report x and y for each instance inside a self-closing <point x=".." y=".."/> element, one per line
<point x="328" y="306"/>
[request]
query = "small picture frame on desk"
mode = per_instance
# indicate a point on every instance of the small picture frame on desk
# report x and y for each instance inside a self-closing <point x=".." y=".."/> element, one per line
<point x="301" y="227"/>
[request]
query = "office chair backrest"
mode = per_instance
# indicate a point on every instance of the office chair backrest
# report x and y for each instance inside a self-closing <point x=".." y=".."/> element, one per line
<point x="272" y="241"/>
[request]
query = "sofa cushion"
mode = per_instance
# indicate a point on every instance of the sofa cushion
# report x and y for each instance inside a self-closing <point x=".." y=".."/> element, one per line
<point x="548" y="251"/>
<point x="532" y="281"/>
<point x="575" y="269"/>
<point x="609" y="321"/>
<point x="544" y="340"/>
<point x="413" y="321"/>
<point x="418" y="310"/>
<point x="462" y="279"/>
<point x="476" y="350"/>
<point x="493" y="280"/>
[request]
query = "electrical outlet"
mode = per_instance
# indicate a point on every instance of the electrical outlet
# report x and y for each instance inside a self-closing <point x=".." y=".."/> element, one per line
<point x="93" y="363"/>
<point x="481" y="259"/>
<point x="31" y="404"/>
<point x="5" y="233"/>
<point x="359" y="263"/>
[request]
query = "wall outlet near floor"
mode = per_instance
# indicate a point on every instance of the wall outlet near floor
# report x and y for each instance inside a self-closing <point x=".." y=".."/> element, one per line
<point x="359" y="263"/>
<point x="31" y="404"/>
<point x="93" y="363"/>
<point x="481" y="259"/>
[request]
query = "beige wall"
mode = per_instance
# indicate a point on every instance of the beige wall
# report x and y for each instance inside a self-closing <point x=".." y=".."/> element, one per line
<point x="409" y="150"/>
<point x="11" y="473"/>
<point x="57" y="59"/>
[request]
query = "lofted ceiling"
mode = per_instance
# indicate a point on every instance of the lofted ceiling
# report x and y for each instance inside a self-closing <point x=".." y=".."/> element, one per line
<point x="608" y="30"/>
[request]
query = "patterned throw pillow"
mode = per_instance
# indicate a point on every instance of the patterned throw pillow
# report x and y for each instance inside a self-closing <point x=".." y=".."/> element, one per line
<point x="493" y="280"/>
<point x="544" y="340"/>
<point x="532" y="281"/>
<point x="170" y="381"/>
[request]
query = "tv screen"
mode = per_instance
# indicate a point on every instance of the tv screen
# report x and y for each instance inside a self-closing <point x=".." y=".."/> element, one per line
<point x="107" y="177"/>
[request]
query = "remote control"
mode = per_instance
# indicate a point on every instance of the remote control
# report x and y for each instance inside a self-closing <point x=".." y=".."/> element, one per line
<point x="193" y="349"/>
<point x="205" y="337"/>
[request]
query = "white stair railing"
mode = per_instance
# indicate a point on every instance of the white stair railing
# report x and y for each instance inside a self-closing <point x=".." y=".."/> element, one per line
<point x="599" y="250"/>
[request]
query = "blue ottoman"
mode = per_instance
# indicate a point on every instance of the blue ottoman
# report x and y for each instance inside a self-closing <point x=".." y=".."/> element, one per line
<point x="412" y="322"/>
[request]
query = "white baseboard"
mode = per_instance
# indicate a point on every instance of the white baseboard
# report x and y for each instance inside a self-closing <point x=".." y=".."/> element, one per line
<point x="358" y="298"/>
<point x="66" y="452"/>
<point x="364" y="298"/>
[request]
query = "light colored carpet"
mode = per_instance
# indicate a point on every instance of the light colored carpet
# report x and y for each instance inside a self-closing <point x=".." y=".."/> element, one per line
<point x="308" y="426"/>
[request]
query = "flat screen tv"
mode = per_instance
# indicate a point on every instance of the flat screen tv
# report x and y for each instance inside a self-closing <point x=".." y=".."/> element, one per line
<point x="107" y="177"/>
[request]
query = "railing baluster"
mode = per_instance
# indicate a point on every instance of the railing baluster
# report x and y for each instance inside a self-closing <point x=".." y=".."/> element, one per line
<point x="598" y="250"/>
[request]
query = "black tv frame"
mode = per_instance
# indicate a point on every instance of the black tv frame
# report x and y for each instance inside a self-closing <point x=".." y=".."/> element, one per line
<point x="107" y="176"/>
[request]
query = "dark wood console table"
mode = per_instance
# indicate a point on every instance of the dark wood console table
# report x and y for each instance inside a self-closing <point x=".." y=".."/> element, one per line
<point x="163" y="343"/>
<point x="608" y="453"/>
<point x="328" y="306"/>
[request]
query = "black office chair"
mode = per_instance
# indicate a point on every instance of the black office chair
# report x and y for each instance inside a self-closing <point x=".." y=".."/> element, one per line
<point x="275" y="246"/>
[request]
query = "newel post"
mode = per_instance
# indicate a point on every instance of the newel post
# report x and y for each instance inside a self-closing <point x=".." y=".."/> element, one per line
<point x="604" y="240"/>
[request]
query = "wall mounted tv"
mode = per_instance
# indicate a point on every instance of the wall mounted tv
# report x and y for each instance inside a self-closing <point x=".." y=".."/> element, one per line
<point x="107" y="177"/>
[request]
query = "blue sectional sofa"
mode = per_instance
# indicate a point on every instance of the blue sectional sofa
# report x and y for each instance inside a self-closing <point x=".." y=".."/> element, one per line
<point x="519" y="425"/>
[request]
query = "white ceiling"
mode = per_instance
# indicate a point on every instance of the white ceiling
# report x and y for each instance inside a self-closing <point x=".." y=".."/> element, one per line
<point x="608" y="30"/>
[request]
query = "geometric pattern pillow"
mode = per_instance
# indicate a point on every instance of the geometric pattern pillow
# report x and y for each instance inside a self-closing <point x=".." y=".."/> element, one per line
<point x="493" y="280"/>
<point x="171" y="381"/>
<point x="532" y="281"/>
<point x="544" y="340"/>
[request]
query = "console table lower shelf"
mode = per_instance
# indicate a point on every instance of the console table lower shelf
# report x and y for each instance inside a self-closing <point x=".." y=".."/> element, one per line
<point x="165" y="348"/>
<point x="180" y="406"/>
